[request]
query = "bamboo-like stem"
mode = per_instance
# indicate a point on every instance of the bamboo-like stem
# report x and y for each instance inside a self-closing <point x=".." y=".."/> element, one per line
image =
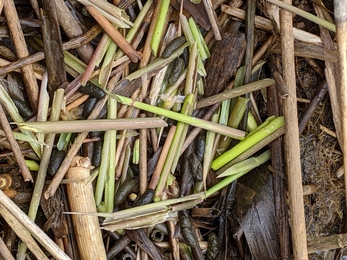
<point x="247" y="164"/>
<point x="234" y="133"/>
<point x="308" y="16"/>
<point x="341" y="23"/>
<point x="35" y="231"/>
<point x="292" y="146"/>
<point x="110" y="181"/>
<point x="81" y="199"/>
<point x="159" y="25"/>
<point x="236" y="92"/>
<point x="114" y="34"/>
<point x="93" y="125"/>
<point x="257" y="147"/>
<point x="248" y="142"/>
<point x="23" y="234"/>
<point x="4" y="252"/>
<point x="28" y="75"/>
<point x="14" y="146"/>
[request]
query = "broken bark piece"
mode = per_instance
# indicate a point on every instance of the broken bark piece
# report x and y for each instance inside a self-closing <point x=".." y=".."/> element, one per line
<point x="81" y="199"/>
<point x="226" y="57"/>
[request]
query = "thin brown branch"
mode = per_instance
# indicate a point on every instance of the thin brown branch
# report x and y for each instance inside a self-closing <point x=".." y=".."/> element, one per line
<point x="28" y="75"/>
<point x="74" y="43"/>
<point x="114" y="34"/>
<point x="15" y="147"/>
<point x="292" y="145"/>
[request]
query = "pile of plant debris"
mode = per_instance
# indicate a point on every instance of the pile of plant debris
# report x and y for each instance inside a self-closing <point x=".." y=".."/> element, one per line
<point x="162" y="130"/>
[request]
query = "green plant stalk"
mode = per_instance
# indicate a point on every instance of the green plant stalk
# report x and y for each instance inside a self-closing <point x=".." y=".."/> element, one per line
<point x="132" y="32"/>
<point x="208" y="155"/>
<point x="159" y="26"/>
<point x="254" y="149"/>
<point x="308" y="16"/>
<point x="42" y="110"/>
<point x="251" y="123"/>
<point x="47" y="151"/>
<point x="190" y="83"/>
<point x="11" y="108"/>
<point x="100" y="183"/>
<point x="105" y="43"/>
<point x="247" y="164"/>
<point x="169" y="165"/>
<point x="112" y="137"/>
<point x="136" y="152"/>
<point x="200" y="87"/>
<point x="234" y="121"/>
<point x="106" y="66"/>
<point x="63" y="141"/>
<point x="190" y="39"/>
<point x="32" y="165"/>
<point x="202" y="47"/>
<point x="78" y="66"/>
<point x="248" y="142"/>
<point x="197" y="122"/>
<point x="220" y="185"/>
<point x="265" y="123"/>
<point x="187" y="109"/>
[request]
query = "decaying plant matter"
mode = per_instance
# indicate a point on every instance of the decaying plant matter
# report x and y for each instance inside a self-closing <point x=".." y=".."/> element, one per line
<point x="170" y="129"/>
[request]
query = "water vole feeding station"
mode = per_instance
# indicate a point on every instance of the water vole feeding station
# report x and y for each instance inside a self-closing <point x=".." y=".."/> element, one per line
<point x="173" y="129"/>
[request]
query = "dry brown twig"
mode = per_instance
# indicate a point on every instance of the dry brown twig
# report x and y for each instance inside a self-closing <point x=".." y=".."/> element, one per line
<point x="28" y="75"/>
<point x="292" y="146"/>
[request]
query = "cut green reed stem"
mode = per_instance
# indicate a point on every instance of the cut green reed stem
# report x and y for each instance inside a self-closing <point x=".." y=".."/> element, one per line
<point x="234" y="121"/>
<point x="190" y="83"/>
<point x="12" y="110"/>
<point x="208" y="154"/>
<point x="159" y="25"/>
<point x="251" y="123"/>
<point x="197" y="122"/>
<point x="106" y="66"/>
<point x="75" y="66"/>
<point x="247" y="164"/>
<point x="248" y="142"/>
<point x="100" y="183"/>
<point x="176" y="145"/>
<point x="308" y="16"/>
<point x="132" y="32"/>
<point x="202" y="47"/>
<point x="112" y="137"/>
<point x="190" y="39"/>
<point x="264" y="157"/>
<point x="257" y="147"/>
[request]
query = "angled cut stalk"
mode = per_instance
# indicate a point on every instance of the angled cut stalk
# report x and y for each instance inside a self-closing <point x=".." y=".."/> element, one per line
<point x="248" y="142"/>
